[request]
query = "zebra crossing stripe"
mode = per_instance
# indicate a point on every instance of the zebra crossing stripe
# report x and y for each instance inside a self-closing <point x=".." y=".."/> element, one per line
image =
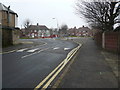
<point x="32" y="50"/>
<point x="66" y="48"/>
<point x="56" y="48"/>
<point x="21" y="50"/>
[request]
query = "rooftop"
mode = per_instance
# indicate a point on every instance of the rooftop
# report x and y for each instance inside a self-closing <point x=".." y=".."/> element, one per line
<point x="5" y="8"/>
<point x="41" y="27"/>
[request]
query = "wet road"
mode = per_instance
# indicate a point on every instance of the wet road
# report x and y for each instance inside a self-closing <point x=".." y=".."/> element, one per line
<point x="27" y="67"/>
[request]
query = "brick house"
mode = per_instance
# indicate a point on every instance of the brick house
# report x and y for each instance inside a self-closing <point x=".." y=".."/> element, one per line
<point x="8" y="21"/>
<point x="37" y="31"/>
<point x="82" y="31"/>
<point x="72" y="31"/>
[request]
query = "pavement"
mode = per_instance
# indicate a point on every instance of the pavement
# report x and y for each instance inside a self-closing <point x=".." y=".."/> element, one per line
<point x="91" y="67"/>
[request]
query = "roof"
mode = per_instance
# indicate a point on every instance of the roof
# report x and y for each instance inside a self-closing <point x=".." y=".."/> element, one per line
<point x="38" y="27"/>
<point x="4" y="8"/>
<point x="83" y="29"/>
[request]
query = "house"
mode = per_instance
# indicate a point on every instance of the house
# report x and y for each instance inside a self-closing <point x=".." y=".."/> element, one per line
<point x="8" y="23"/>
<point x="37" y="31"/>
<point x="82" y="31"/>
<point x="72" y="31"/>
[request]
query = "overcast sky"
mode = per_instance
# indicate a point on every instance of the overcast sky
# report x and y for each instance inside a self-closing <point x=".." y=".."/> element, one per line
<point x="42" y="12"/>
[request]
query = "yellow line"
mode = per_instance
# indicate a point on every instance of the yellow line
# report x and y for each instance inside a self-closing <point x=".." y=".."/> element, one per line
<point x="64" y="62"/>
<point x="40" y="84"/>
<point x="54" y="76"/>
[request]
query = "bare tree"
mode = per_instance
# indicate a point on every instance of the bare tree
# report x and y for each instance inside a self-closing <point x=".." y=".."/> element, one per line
<point x="27" y="23"/>
<point x="102" y="15"/>
<point x="63" y="29"/>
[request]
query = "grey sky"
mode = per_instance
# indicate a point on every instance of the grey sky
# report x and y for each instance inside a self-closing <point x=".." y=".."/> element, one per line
<point x="42" y="12"/>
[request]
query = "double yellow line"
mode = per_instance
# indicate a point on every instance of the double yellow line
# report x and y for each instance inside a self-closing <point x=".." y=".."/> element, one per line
<point x="47" y="81"/>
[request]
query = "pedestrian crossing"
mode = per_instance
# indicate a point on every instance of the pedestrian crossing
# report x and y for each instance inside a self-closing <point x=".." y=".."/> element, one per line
<point x="33" y="50"/>
<point x="37" y="49"/>
<point x="21" y="50"/>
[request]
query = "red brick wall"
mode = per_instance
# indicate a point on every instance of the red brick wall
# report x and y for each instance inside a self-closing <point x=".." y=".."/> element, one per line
<point x="111" y="41"/>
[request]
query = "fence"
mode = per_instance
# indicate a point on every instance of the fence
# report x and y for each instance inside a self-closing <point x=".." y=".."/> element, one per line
<point x="108" y="40"/>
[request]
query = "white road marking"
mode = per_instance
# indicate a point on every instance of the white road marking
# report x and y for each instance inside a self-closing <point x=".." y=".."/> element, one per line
<point x="32" y="50"/>
<point x="56" y="48"/>
<point x="34" y="53"/>
<point x="66" y="48"/>
<point x="17" y="49"/>
<point x="21" y="50"/>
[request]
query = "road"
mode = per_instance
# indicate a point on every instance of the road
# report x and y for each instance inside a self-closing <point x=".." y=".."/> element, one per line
<point x="27" y="67"/>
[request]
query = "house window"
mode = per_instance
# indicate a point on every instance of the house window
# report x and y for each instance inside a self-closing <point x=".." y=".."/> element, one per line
<point x="35" y="34"/>
<point x="47" y="31"/>
<point x="10" y="18"/>
<point x="35" y="30"/>
<point x="43" y="30"/>
<point x="32" y="35"/>
<point x="16" y="20"/>
<point x="84" y="34"/>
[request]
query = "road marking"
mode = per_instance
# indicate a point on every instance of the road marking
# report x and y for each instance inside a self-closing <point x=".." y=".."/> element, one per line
<point x="66" y="48"/>
<point x="33" y="50"/>
<point x="18" y="49"/>
<point x="60" y="66"/>
<point x="21" y="50"/>
<point x="8" y="52"/>
<point x="56" y="48"/>
<point x="34" y="53"/>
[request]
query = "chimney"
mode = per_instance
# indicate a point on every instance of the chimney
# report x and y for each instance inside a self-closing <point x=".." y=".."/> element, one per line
<point x="37" y="24"/>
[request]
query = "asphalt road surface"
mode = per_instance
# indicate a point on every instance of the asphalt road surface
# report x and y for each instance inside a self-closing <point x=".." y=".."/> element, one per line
<point x="27" y="67"/>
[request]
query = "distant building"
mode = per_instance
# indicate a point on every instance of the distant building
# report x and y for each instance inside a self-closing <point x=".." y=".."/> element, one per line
<point x="8" y="23"/>
<point x="37" y="31"/>
<point x="72" y="31"/>
<point x="82" y="31"/>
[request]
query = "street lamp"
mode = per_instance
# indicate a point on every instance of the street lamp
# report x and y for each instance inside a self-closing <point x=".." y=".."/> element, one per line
<point x="57" y="24"/>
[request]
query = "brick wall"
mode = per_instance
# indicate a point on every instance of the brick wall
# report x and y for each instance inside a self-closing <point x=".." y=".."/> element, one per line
<point x="6" y="37"/>
<point x="112" y="41"/>
<point x="109" y="40"/>
<point x="15" y="36"/>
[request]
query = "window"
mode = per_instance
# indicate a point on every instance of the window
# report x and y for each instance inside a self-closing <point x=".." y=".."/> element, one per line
<point x="47" y="31"/>
<point x="35" y="34"/>
<point x="35" y="30"/>
<point x="32" y="35"/>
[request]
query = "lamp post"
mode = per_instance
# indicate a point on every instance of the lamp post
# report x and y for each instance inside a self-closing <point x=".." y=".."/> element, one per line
<point x="57" y="24"/>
